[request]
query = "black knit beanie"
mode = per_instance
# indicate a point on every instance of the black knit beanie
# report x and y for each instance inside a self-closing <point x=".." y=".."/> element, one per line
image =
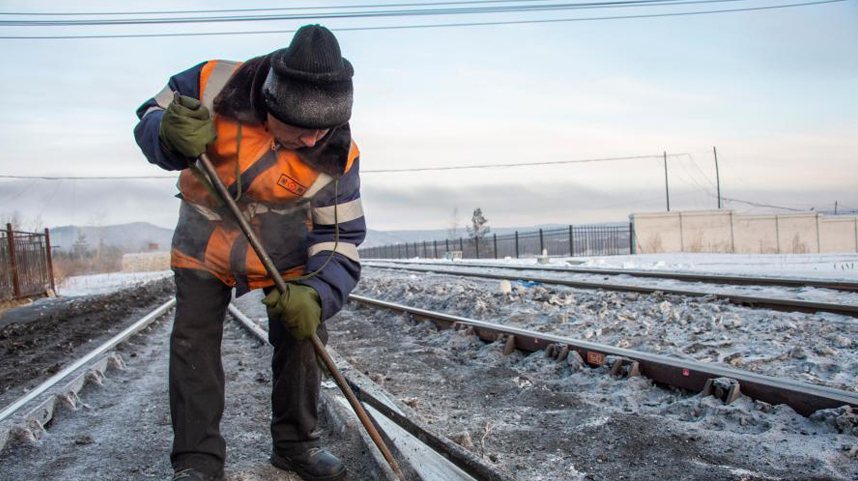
<point x="309" y="84"/>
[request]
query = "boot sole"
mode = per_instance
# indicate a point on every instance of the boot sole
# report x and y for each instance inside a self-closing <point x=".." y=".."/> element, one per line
<point x="284" y="464"/>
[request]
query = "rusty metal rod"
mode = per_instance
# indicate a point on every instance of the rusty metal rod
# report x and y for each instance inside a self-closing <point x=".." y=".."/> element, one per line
<point x="283" y="288"/>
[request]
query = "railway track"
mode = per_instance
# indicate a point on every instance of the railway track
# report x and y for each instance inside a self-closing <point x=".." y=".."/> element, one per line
<point x="423" y="453"/>
<point x="779" y="304"/>
<point x="737" y="280"/>
<point x="692" y="376"/>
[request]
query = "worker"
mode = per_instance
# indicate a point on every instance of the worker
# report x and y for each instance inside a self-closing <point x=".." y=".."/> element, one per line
<point x="276" y="128"/>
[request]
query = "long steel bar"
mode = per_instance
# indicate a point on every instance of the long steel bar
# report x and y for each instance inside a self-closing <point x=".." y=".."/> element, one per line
<point x="691" y="375"/>
<point x="835" y="284"/>
<point x="766" y="302"/>
<point x="272" y="270"/>
<point x="108" y="345"/>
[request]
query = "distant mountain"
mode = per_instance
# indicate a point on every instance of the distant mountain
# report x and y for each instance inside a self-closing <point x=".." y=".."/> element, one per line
<point x="134" y="237"/>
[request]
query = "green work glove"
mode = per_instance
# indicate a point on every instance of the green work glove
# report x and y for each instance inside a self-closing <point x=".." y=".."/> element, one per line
<point x="299" y="309"/>
<point x="187" y="127"/>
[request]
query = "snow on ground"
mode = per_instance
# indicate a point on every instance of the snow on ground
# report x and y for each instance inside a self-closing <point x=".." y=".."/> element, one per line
<point x="105" y="283"/>
<point x="816" y="348"/>
<point x="833" y="266"/>
<point x="840" y="266"/>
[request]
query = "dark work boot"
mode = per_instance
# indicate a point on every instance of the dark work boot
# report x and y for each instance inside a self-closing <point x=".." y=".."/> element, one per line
<point x="314" y="464"/>
<point x="194" y="475"/>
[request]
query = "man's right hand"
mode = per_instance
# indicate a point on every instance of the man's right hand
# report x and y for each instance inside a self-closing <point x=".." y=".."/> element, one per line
<point x="187" y="127"/>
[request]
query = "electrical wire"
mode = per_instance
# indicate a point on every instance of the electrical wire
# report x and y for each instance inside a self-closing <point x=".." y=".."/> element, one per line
<point x="282" y="9"/>
<point x="378" y="171"/>
<point x="425" y="26"/>
<point x="360" y="14"/>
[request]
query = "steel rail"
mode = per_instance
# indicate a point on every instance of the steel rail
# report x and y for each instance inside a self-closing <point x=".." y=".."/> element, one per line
<point x="98" y="351"/>
<point x="729" y="279"/>
<point x="804" y="398"/>
<point x="779" y="304"/>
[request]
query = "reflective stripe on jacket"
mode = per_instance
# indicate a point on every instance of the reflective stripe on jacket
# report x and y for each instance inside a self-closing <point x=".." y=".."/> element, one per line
<point x="289" y="200"/>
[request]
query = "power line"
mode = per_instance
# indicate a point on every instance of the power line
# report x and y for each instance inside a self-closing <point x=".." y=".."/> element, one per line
<point x="522" y="164"/>
<point x="410" y="27"/>
<point x="377" y="171"/>
<point x="278" y="9"/>
<point x="359" y="14"/>
<point x="52" y="177"/>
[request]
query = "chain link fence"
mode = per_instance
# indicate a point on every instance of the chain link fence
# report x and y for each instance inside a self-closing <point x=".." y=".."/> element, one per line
<point x="571" y="241"/>
<point x="25" y="264"/>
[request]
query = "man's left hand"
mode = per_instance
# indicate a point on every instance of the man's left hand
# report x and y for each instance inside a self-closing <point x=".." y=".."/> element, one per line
<point x="299" y="309"/>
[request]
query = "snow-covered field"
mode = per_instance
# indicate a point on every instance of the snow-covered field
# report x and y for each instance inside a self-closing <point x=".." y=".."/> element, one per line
<point x="833" y="266"/>
<point x="105" y="283"/>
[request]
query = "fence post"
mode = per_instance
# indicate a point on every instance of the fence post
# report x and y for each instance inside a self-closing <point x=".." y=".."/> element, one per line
<point x="50" y="258"/>
<point x="462" y="245"/>
<point x="632" y="237"/>
<point x="571" y="241"/>
<point x="477" y="246"/>
<point x="435" y="247"/>
<point x="446" y="245"/>
<point x="13" y="262"/>
<point x="496" y="244"/>
<point x="541" y="243"/>
<point x="516" y="244"/>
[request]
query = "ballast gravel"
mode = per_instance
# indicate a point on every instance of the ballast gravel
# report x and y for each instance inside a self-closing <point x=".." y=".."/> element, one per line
<point x="815" y="348"/>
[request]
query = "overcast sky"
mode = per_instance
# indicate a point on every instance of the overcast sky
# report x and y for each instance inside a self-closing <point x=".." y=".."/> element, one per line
<point x="774" y="90"/>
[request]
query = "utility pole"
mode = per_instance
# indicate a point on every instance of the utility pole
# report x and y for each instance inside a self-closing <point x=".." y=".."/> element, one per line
<point x="666" y="187"/>
<point x="835" y="207"/>
<point x="717" y="177"/>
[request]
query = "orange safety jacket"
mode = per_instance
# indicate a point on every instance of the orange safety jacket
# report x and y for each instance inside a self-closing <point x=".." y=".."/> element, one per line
<point x="290" y="196"/>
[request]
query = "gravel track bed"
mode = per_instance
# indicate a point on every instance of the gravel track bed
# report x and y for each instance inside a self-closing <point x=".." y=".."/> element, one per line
<point x="124" y="432"/>
<point x="815" y="348"/>
<point x="538" y="419"/>
<point x="38" y="340"/>
<point x="779" y="292"/>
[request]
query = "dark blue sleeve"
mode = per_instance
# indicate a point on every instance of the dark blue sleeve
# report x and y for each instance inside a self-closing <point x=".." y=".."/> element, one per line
<point x="146" y="131"/>
<point x="337" y="279"/>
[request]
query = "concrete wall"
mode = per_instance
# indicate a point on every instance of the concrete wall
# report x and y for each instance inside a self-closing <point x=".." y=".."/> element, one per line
<point x="838" y="234"/>
<point x="723" y="231"/>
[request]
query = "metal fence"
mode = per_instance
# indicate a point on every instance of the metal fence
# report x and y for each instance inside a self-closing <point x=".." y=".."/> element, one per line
<point x="25" y="264"/>
<point x="580" y="240"/>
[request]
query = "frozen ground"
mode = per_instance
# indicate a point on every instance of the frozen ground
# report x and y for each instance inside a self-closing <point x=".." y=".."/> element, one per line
<point x="40" y="339"/>
<point x="105" y="283"/>
<point x="124" y="432"/>
<point x="540" y="420"/>
<point x="816" y="348"/>
<point x="834" y="266"/>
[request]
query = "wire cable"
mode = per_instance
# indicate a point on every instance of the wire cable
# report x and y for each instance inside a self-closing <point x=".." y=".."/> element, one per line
<point x="359" y="14"/>
<point x="282" y="9"/>
<point x="426" y="26"/>
<point x="378" y="171"/>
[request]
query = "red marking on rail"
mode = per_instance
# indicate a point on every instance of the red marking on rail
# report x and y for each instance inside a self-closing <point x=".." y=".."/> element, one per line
<point x="686" y="372"/>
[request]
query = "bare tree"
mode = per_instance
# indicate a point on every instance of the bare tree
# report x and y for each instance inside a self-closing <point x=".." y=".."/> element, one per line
<point x="21" y="223"/>
<point x="479" y="227"/>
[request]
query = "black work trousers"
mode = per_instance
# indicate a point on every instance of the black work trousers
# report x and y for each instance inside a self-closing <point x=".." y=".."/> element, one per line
<point x="197" y="379"/>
